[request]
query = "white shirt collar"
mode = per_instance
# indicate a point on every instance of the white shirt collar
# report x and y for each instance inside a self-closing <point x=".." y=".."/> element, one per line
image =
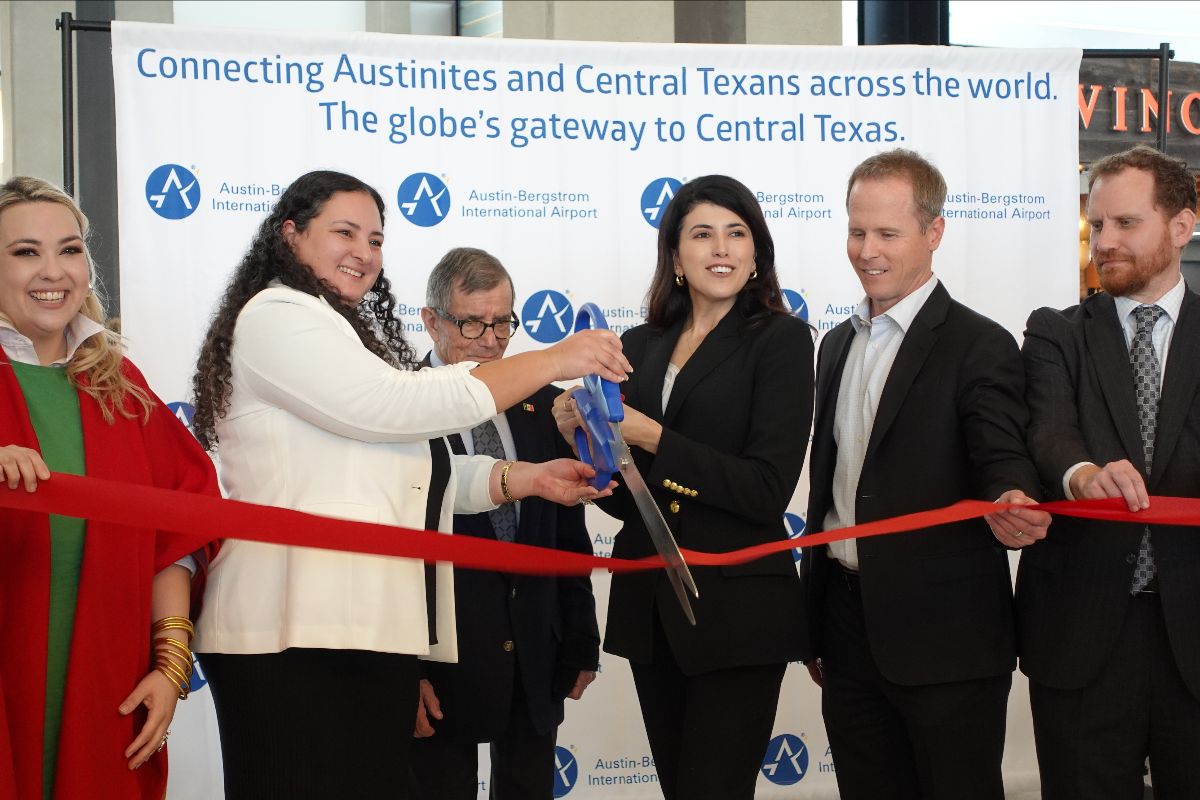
<point x="19" y="347"/>
<point x="1170" y="302"/>
<point x="902" y="314"/>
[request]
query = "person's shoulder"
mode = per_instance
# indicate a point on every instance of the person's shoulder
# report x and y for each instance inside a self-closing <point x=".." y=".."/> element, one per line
<point x="1047" y="317"/>
<point x="278" y="294"/>
<point x="130" y="372"/>
<point x="638" y="333"/>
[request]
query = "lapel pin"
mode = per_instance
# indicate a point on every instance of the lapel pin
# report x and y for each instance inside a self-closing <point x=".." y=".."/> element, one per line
<point x="527" y="407"/>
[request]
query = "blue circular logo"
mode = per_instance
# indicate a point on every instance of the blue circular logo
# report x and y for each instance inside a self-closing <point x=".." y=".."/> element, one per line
<point x="183" y="412"/>
<point x="655" y="197"/>
<point x="566" y="771"/>
<point x="173" y="191"/>
<point x="794" y="523"/>
<point x="423" y="199"/>
<point x="548" y="316"/>
<point x="786" y="760"/>
<point x="796" y="303"/>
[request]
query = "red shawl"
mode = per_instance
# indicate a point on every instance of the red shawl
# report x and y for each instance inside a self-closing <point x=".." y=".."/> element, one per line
<point x="110" y="643"/>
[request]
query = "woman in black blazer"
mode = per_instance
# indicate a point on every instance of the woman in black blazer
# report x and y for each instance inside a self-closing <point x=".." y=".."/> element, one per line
<point x="717" y="415"/>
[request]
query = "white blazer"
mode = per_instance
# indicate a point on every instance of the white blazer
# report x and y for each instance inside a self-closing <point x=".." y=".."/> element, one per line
<point x="318" y="423"/>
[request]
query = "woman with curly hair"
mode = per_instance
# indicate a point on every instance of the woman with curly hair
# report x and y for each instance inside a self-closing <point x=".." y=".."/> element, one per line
<point x="94" y="623"/>
<point x="308" y="386"/>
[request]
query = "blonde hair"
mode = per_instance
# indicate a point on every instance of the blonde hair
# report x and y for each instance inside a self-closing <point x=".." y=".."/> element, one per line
<point x="95" y="367"/>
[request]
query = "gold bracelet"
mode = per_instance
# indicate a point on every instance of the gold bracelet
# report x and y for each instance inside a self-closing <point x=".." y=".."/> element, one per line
<point x="174" y="623"/>
<point x="171" y="673"/>
<point x="179" y="655"/>
<point x="508" y="498"/>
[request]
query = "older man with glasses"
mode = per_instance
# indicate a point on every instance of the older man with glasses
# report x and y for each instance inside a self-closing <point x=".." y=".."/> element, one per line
<point x="524" y="643"/>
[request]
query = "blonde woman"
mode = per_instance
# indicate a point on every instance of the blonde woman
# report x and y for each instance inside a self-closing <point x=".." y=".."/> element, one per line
<point x="94" y="628"/>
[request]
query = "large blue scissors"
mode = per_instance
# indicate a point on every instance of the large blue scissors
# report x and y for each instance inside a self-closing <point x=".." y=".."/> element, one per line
<point x="599" y="403"/>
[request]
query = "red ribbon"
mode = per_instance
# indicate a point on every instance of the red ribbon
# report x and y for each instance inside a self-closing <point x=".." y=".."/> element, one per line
<point x="210" y="517"/>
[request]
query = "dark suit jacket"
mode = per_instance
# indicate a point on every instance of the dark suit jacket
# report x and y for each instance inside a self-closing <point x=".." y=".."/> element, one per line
<point x="735" y="431"/>
<point x="550" y="622"/>
<point x="1073" y="587"/>
<point x="950" y="426"/>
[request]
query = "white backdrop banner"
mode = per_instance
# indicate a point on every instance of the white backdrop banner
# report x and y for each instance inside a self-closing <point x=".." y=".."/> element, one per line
<point x="558" y="157"/>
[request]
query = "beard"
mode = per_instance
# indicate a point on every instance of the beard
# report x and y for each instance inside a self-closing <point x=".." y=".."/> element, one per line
<point x="1138" y="271"/>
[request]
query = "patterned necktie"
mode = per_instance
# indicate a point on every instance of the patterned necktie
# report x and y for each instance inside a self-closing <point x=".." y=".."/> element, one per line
<point x="487" y="443"/>
<point x="1146" y="381"/>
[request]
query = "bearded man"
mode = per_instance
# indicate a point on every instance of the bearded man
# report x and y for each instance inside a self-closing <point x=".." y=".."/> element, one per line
<point x="1107" y="612"/>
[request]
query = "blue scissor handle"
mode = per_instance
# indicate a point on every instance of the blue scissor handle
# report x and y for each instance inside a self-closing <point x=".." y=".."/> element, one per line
<point x="599" y="403"/>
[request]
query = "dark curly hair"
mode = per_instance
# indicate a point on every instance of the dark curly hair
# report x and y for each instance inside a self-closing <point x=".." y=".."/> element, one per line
<point x="270" y="258"/>
<point x="667" y="302"/>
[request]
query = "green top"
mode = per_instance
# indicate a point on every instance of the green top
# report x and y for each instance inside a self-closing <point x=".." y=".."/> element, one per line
<point x="54" y="411"/>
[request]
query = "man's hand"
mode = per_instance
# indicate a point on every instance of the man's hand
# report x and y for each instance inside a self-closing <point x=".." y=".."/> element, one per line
<point x="1018" y="527"/>
<point x="427" y="706"/>
<point x="1114" y="479"/>
<point x="566" y="415"/>
<point x="586" y="676"/>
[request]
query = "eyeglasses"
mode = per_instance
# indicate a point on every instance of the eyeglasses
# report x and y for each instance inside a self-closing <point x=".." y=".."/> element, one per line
<point x="475" y="328"/>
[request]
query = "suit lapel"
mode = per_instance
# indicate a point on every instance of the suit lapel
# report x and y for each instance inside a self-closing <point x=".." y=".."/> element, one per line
<point x="659" y="346"/>
<point x="1109" y="353"/>
<point x="1179" y="383"/>
<point x="522" y="423"/>
<point x="456" y="444"/>
<point x="918" y="342"/>
<point x="716" y="347"/>
<point x="829" y="375"/>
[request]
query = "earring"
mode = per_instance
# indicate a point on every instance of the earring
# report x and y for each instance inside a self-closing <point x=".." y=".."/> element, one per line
<point x="754" y="274"/>
<point x="679" y="280"/>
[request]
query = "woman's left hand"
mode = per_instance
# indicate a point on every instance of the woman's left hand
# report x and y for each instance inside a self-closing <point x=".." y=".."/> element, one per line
<point x="564" y="481"/>
<point x="159" y="696"/>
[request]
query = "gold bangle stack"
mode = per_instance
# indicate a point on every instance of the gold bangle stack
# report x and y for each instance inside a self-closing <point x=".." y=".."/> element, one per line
<point x="508" y="498"/>
<point x="173" y="658"/>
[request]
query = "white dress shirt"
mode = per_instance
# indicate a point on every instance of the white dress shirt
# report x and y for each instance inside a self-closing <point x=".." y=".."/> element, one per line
<point x="876" y="342"/>
<point x="502" y="427"/>
<point x="1170" y="303"/>
<point x="19" y="347"/>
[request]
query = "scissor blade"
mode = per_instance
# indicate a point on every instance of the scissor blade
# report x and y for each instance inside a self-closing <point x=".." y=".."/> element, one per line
<point x="660" y="534"/>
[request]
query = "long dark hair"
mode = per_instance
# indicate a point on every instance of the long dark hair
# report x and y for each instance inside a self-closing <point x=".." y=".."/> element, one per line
<point x="668" y="302"/>
<point x="270" y="258"/>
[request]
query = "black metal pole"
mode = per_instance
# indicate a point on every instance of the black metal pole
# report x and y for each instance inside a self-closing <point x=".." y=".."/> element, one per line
<point x="68" y="101"/>
<point x="1164" y="94"/>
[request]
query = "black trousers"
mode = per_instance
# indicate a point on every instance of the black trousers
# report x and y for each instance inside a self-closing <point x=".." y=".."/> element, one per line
<point x="447" y="768"/>
<point x="1092" y="743"/>
<point x="709" y="732"/>
<point x="309" y="724"/>
<point x="894" y="742"/>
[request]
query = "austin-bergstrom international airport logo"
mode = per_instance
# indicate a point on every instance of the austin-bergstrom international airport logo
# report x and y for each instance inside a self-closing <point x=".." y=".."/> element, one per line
<point x="566" y="771"/>
<point x="655" y="197"/>
<point x="796" y="303"/>
<point x="786" y="760"/>
<point x="794" y="524"/>
<point x="173" y="191"/>
<point x="183" y="412"/>
<point x="423" y="199"/>
<point x="547" y="316"/>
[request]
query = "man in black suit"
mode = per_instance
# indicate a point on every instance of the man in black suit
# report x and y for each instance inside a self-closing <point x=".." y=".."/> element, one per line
<point x="919" y="405"/>
<point x="524" y="643"/>
<point x="1107" y="612"/>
